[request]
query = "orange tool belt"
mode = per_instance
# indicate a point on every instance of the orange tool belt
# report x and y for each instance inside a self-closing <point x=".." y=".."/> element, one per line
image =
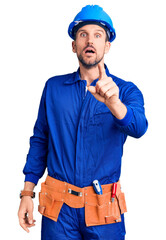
<point x="99" y="209"/>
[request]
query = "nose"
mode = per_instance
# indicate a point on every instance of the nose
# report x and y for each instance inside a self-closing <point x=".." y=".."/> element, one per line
<point x="90" y="42"/>
<point x="90" y="39"/>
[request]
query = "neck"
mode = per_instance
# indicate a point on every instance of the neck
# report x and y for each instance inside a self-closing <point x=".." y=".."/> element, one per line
<point x="89" y="74"/>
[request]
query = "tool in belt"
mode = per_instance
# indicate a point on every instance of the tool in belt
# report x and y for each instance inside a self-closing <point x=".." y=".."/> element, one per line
<point x="99" y="209"/>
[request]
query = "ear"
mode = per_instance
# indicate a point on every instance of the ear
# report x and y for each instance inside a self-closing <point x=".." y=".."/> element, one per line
<point x="74" y="46"/>
<point x="107" y="46"/>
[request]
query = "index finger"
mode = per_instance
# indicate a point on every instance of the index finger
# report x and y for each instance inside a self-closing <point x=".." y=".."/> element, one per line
<point x="23" y="224"/>
<point x="102" y="72"/>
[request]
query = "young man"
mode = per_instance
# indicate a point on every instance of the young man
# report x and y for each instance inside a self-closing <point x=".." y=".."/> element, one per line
<point x="83" y="121"/>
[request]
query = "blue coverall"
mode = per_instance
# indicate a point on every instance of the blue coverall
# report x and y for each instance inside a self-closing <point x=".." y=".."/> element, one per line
<point x="79" y="140"/>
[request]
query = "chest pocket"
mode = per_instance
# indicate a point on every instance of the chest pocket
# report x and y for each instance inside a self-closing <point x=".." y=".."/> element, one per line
<point x="102" y="113"/>
<point x="101" y="108"/>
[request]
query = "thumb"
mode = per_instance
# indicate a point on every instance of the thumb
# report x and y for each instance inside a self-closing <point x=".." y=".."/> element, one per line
<point x="30" y="217"/>
<point x="92" y="89"/>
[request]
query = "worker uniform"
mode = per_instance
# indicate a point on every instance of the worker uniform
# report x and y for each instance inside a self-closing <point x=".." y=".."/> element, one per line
<point x="79" y="140"/>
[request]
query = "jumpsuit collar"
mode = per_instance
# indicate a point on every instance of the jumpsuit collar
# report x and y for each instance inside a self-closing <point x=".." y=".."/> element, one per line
<point x="77" y="78"/>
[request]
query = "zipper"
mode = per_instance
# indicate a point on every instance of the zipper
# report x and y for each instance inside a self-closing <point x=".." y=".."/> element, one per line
<point x="85" y="96"/>
<point x="85" y="89"/>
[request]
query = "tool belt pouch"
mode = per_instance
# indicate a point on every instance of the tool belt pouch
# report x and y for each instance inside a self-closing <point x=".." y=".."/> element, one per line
<point x="100" y="210"/>
<point x="50" y="202"/>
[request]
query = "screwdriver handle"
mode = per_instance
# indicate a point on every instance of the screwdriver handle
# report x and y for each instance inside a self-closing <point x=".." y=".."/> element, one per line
<point x="113" y="194"/>
<point x="97" y="187"/>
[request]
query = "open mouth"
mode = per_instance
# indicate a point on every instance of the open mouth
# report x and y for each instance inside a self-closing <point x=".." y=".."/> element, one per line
<point x="89" y="51"/>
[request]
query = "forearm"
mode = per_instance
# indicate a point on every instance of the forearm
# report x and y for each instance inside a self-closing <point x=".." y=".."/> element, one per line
<point x="29" y="186"/>
<point x="134" y="123"/>
<point x="131" y="120"/>
<point x="37" y="156"/>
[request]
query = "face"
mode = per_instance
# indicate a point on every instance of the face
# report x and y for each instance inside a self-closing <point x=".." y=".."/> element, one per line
<point x="90" y="45"/>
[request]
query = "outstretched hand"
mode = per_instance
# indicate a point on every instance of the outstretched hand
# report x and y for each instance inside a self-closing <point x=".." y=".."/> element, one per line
<point x="106" y="90"/>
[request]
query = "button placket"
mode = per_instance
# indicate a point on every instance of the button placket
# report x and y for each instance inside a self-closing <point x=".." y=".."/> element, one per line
<point x="79" y="177"/>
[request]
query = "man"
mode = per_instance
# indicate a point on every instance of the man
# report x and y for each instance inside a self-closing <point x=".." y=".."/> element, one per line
<point x="83" y="121"/>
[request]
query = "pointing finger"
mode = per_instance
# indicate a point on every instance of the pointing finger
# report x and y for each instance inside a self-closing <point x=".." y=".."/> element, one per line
<point x="102" y="72"/>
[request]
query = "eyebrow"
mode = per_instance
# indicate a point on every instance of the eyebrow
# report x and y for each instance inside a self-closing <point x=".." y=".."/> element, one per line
<point x="97" y="30"/>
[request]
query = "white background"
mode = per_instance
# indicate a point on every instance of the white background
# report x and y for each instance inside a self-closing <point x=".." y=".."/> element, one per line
<point x="34" y="46"/>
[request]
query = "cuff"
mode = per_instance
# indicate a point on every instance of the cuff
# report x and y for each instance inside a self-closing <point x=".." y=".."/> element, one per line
<point x="127" y="119"/>
<point x="32" y="178"/>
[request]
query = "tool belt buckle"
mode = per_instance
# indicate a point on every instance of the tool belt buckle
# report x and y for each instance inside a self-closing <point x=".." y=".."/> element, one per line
<point x="79" y="194"/>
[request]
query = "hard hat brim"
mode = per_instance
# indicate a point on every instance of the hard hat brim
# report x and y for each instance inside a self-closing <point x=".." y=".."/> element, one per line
<point x="103" y="24"/>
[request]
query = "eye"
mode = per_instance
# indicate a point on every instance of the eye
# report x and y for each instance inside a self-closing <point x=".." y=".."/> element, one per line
<point x="97" y="35"/>
<point x="83" y="34"/>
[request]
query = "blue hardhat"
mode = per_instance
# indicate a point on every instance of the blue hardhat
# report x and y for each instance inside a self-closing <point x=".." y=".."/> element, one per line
<point x="92" y="14"/>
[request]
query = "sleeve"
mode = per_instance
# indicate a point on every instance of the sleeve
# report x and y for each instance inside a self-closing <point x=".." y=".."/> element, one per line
<point x="134" y="123"/>
<point x="37" y="156"/>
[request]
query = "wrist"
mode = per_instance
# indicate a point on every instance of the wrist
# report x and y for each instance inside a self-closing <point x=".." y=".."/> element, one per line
<point x="25" y="197"/>
<point x="28" y="190"/>
<point x="24" y="193"/>
<point x="118" y="109"/>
